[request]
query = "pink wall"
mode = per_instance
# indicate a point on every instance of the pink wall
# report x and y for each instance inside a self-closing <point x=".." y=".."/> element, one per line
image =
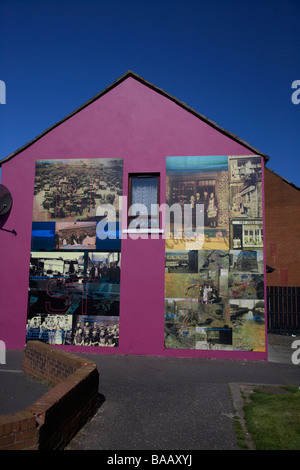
<point x="141" y="126"/>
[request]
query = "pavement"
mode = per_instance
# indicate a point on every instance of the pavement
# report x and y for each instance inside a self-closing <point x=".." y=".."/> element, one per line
<point x="161" y="403"/>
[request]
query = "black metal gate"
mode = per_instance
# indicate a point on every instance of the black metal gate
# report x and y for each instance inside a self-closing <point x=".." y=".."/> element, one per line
<point x="283" y="309"/>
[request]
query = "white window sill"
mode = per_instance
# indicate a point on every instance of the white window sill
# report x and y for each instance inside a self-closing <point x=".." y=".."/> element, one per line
<point x="142" y="230"/>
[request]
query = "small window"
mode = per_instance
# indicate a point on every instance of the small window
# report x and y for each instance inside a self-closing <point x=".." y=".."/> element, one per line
<point x="143" y="200"/>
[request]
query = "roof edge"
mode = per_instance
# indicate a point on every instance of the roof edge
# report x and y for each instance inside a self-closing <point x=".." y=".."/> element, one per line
<point x="119" y="80"/>
<point x="283" y="179"/>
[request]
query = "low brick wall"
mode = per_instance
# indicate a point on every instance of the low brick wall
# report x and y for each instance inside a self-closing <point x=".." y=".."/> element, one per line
<point x="19" y="431"/>
<point x="55" y="418"/>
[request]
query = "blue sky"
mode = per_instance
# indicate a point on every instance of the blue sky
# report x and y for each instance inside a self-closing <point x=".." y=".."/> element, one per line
<point x="232" y="61"/>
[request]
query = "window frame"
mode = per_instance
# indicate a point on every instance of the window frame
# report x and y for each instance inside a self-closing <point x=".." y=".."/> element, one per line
<point x="130" y="218"/>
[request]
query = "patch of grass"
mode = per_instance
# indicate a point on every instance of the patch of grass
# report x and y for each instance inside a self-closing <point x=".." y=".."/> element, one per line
<point x="241" y="440"/>
<point x="273" y="418"/>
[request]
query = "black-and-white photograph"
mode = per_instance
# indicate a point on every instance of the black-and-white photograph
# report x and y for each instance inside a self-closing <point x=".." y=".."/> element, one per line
<point x="76" y="264"/>
<point x="210" y="261"/>
<point x="181" y="261"/>
<point x="244" y="169"/>
<point x="208" y="191"/>
<point x="246" y="261"/>
<point x="54" y="264"/>
<point x="74" y="283"/>
<point x="96" y="331"/>
<point x="246" y="286"/>
<point x="55" y="296"/>
<point x="213" y="338"/>
<point x="182" y="310"/>
<point x="213" y="268"/>
<point x="50" y="329"/>
<point x="106" y="265"/>
<point x="245" y="199"/>
<point x="179" y="336"/>
<point x="247" y="308"/>
<point x="247" y="317"/>
<point x="75" y="236"/>
<point x="73" y="189"/>
<point x="73" y="296"/>
<point x="246" y="234"/>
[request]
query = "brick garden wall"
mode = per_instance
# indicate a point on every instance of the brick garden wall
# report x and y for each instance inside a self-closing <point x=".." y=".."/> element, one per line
<point x="55" y="418"/>
<point x="19" y="431"/>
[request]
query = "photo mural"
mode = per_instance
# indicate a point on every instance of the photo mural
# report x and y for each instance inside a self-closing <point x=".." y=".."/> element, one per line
<point x="74" y="278"/>
<point x="214" y="279"/>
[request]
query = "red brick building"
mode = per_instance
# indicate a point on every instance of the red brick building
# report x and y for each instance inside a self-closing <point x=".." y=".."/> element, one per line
<point x="282" y="245"/>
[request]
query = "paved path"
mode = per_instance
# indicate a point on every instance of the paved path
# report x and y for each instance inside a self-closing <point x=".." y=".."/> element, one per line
<point x="17" y="390"/>
<point x="167" y="404"/>
<point x="154" y="403"/>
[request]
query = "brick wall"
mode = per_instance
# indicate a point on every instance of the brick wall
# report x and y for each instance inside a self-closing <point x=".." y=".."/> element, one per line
<point x="49" y="364"/>
<point x="18" y="431"/>
<point x="282" y="237"/>
<point x="55" y="418"/>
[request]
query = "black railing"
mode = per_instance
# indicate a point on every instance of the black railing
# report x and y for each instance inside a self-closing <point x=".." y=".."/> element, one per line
<point x="283" y="309"/>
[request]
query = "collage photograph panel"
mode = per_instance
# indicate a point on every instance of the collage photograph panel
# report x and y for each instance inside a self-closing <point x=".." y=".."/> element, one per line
<point x="214" y="265"/>
<point x="202" y="307"/>
<point x="56" y="296"/>
<point x="56" y="264"/>
<point x="246" y="286"/>
<point x="201" y="275"/>
<point x="246" y="234"/>
<point x="96" y="331"/>
<point x="247" y="317"/>
<point x="187" y="319"/>
<point x="70" y="330"/>
<point x="81" y="186"/>
<point x="246" y="274"/>
<point x="50" y="328"/>
<point x="181" y="261"/>
<point x="72" y="284"/>
<point x="244" y="168"/>
<point x="75" y="236"/>
<point x="74" y="266"/>
<point x="215" y="338"/>
<point x="246" y="261"/>
<point x="70" y="281"/>
<point x="194" y="181"/>
<point x="183" y="285"/>
<point x="181" y="319"/>
<point x="78" y="264"/>
<point x="245" y="191"/>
